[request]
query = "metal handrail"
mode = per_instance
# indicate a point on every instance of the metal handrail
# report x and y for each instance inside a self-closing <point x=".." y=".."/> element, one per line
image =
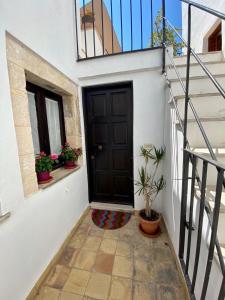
<point x="205" y="69"/>
<point x="206" y="9"/>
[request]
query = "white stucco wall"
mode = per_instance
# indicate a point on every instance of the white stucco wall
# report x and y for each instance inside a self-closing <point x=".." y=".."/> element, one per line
<point x="144" y="70"/>
<point x="202" y="23"/>
<point x="39" y="224"/>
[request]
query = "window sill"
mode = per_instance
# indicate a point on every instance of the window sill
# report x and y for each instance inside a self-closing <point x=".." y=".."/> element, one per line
<point x="58" y="175"/>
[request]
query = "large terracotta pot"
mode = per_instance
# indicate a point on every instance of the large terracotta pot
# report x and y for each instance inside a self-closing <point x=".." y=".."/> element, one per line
<point x="149" y="227"/>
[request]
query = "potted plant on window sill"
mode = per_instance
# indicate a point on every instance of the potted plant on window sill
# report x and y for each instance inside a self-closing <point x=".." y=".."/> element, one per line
<point x="44" y="165"/>
<point x="149" y="185"/>
<point x="70" y="156"/>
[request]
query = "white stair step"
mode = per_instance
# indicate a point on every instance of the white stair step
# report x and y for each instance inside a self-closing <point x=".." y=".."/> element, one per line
<point x="216" y="68"/>
<point x="198" y="86"/>
<point x="206" y="107"/>
<point x="205" y="57"/>
<point x="215" y="132"/>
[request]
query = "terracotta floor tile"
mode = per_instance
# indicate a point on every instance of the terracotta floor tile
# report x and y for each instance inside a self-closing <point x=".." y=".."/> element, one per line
<point x="108" y="246"/>
<point x="168" y="292"/>
<point x="119" y="264"/>
<point x="77" y="241"/>
<point x="123" y="249"/>
<point x="123" y="266"/>
<point x="68" y="256"/>
<point x="77" y="281"/>
<point x="98" y="286"/>
<point x="85" y="260"/>
<point x="165" y="273"/>
<point x="47" y="293"/>
<point x="112" y="234"/>
<point x="142" y="270"/>
<point x="163" y="254"/>
<point x="144" y="291"/>
<point x="121" y="289"/>
<point x="104" y="263"/>
<point x="84" y="229"/>
<point x="95" y="231"/>
<point x="92" y="243"/>
<point x="69" y="296"/>
<point x="58" y="276"/>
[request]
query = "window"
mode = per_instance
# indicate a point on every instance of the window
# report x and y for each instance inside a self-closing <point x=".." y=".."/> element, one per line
<point x="47" y="120"/>
<point x="215" y="39"/>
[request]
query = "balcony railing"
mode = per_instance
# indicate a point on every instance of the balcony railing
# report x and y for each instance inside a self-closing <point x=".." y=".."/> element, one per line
<point x="110" y="27"/>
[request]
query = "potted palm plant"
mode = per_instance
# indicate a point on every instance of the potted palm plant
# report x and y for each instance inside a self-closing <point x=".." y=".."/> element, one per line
<point x="43" y="166"/>
<point x="70" y="156"/>
<point x="149" y="185"/>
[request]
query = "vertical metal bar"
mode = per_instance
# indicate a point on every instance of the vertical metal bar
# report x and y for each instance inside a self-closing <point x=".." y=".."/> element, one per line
<point x="93" y="25"/>
<point x="103" y="41"/>
<point x="164" y="35"/>
<point x="141" y="24"/>
<point x="216" y="212"/>
<point x="200" y="222"/>
<point x="151" y="24"/>
<point x="194" y="160"/>
<point x="85" y="35"/>
<point x="121" y="24"/>
<point x="131" y="25"/>
<point x="187" y="76"/>
<point x="111" y="7"/>
<point x="183" y="203"/>
<point x="77" y="43"/>
<point x="222" y="290"/>
<point x="182" y="227"/>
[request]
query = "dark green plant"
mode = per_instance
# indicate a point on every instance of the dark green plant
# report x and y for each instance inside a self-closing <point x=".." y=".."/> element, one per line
<point x="148" y="185"/>
<point x="171" y="37"/>
<point x="70" y="154"/>
<point x="44" y="163"/>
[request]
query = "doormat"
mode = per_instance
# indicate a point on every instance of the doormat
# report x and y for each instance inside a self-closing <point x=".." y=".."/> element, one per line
<point x="107" y="219"/>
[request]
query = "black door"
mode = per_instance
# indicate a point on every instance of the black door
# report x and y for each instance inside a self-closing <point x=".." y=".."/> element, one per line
<point x="108" y="113"/>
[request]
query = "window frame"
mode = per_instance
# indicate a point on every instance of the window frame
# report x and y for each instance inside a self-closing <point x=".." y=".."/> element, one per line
<point x="43" y="132"/>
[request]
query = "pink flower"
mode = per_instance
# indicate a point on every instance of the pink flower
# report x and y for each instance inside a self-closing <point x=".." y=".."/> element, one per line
<point x="42" y="153"/>
<point x="54" y="156"/>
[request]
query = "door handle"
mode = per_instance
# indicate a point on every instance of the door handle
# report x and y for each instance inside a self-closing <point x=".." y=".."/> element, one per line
<point x="100" y="147"/>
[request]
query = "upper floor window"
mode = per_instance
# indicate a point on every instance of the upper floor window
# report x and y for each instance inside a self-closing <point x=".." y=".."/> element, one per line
<point x="47" y="120"/>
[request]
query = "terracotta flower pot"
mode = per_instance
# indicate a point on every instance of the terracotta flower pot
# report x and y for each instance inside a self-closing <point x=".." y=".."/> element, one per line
<point x="43" y="176"/>
<point x="150" y="227"/>
<point x="69" y="164"/>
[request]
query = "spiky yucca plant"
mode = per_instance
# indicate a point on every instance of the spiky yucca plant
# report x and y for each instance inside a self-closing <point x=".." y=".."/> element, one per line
<point x="149" y="185"/>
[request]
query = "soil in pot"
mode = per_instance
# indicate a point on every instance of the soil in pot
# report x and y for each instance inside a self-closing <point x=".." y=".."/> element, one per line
<point x="150" y="225"/>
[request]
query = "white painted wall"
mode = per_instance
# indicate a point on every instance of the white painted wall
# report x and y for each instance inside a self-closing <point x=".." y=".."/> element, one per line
<point x="202" y="23"/>
<point x="144" y="70"/>
<point x="39" y="224"/>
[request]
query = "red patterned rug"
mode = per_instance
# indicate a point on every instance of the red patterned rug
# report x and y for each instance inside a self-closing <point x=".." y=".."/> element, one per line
<point x="108" y="219"/>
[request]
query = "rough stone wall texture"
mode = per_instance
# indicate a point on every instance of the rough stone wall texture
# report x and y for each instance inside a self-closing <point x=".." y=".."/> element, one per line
<point x="25" y="65"/>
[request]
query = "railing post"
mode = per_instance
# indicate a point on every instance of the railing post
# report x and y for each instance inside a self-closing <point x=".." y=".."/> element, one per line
<point x="76" y="29"/>
<point x="164" y="35"/>
<point x="184" y="190"/>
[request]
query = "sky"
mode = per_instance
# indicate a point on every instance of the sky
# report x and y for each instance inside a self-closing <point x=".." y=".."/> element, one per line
<point x="173" y="13"/>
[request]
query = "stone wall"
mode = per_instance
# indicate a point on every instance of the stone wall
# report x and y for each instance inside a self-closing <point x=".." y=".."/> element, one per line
<point x="25" y="65"/>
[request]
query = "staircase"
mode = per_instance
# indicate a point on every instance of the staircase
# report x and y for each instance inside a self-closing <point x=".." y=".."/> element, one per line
<point x="210" y="107"/>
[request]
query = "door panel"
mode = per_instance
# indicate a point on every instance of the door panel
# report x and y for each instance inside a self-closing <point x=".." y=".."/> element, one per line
<point x="108" y="113"/>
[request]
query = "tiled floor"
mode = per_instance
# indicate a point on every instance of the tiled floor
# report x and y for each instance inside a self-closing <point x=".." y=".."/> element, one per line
<point x="113" y="264"/>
